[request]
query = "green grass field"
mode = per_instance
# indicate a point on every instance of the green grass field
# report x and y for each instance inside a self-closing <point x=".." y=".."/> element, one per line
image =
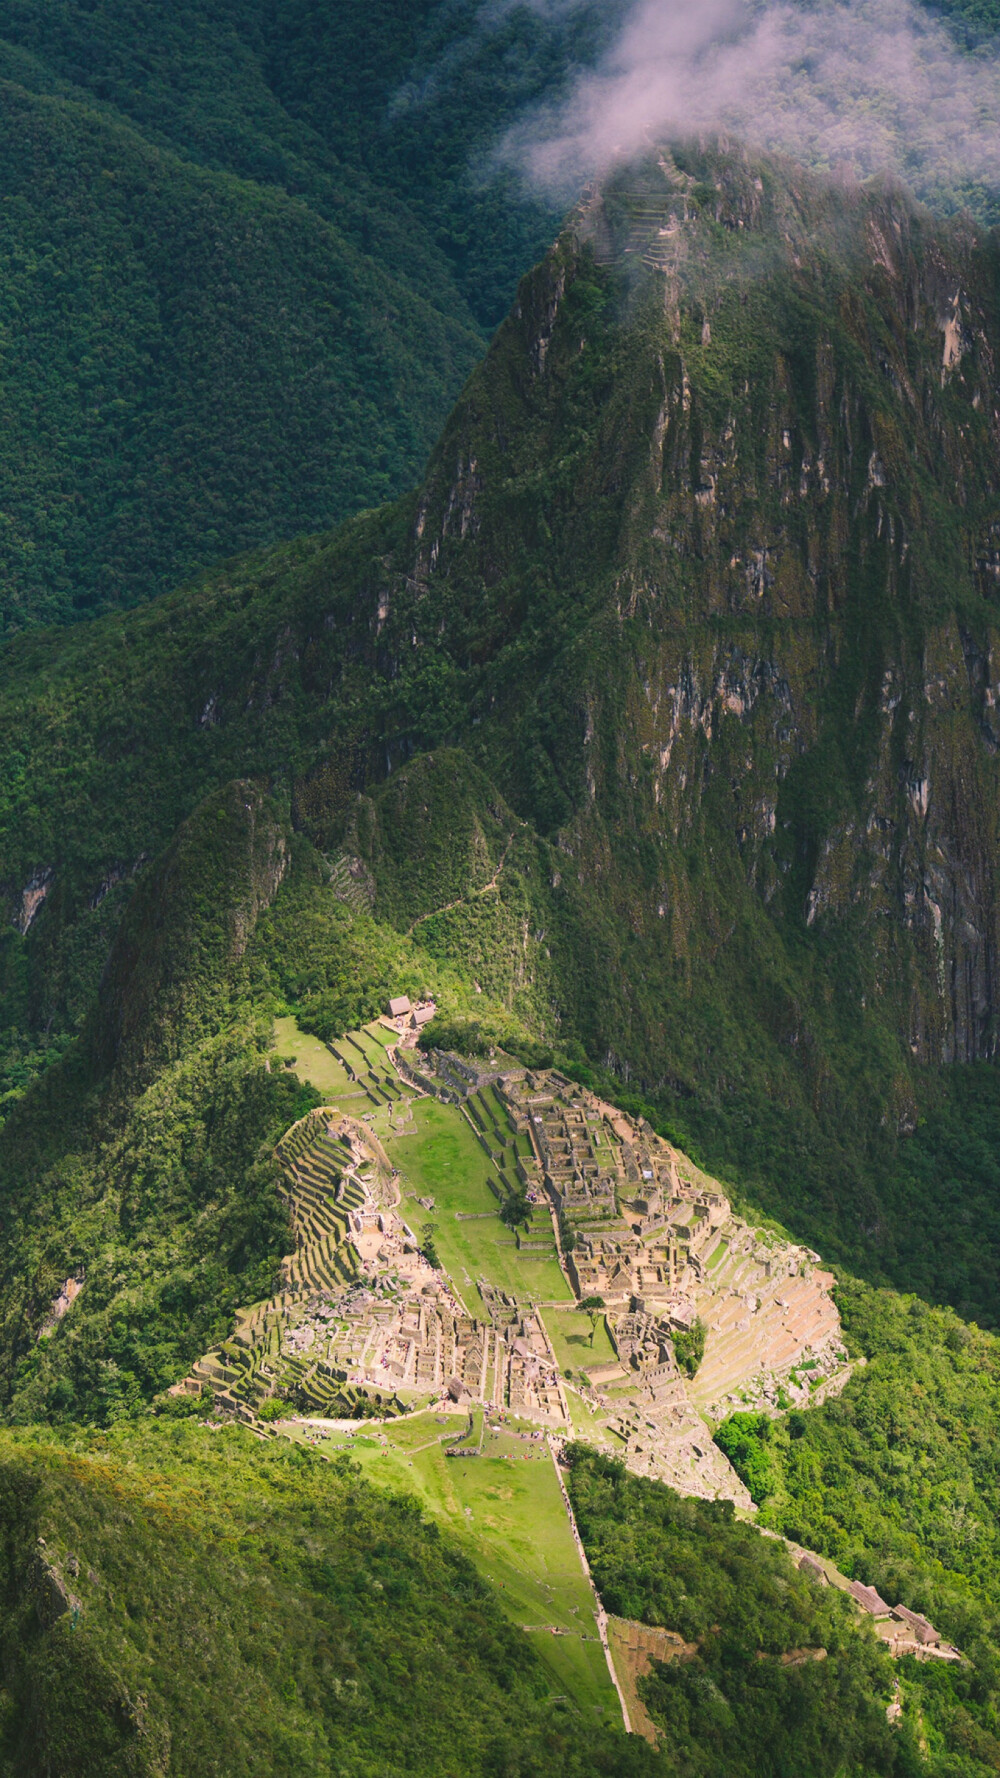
<point x="314" y="1063"/>
<point x="507" y="1511"/>
<point x="586" y="1418"/>
<point x="569" y="1331"/>
<point x="438" y="1156"/>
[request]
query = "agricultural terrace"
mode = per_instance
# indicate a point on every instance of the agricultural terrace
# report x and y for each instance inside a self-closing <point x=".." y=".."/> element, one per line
<point x="441" y="1153"/>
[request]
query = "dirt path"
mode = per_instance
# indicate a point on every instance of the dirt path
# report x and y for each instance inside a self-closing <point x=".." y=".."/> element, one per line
<point x="485" y="890"/>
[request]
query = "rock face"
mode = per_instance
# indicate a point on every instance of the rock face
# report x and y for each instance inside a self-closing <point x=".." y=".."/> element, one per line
<point x="782" y="522"/>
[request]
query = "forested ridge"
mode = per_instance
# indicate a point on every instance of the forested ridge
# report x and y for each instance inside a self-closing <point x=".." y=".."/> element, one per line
<point x="247" y="266"/>
<point x="250" y="255"/>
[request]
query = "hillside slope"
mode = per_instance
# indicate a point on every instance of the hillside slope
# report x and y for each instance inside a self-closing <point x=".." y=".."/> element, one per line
<point x="180" y="1599"/>
<point x="698" y="597"/>
<point x="240" y="289"/>
<point x="194" y="362"/>
<point x="250" y="255"/>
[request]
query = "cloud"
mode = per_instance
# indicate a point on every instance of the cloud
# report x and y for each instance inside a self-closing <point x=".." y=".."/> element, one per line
<point x="862" y="85"/>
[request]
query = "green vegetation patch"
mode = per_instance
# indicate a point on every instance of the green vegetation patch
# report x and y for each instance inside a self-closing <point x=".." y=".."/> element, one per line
<point x="198" y="192"/>
<point x="313" y="1061"/>
<point x="754" y="1702"/>
<point x="898" y="1481"/>
<point x="173" y="1593"/>
<point x="570" y="1331"/>
<point x="439" y="1156"/>
<point x="505" y="1510"/>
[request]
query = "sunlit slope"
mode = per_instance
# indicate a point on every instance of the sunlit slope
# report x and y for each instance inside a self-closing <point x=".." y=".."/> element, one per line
<point x="184" y="1594"/>
<point x="506" y="1510"/>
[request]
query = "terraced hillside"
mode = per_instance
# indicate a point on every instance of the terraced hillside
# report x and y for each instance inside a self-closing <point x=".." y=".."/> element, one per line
<point x="330" y="1176"/>
<point x="447" y="1218"/>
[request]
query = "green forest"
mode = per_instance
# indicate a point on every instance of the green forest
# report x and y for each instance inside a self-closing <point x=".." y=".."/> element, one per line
<point x="185" y="1599"/>
<point x="248" y="263"/>
<point x="250" y="255"/>
<point x="897" y="1481"/>
<point x="735" y="1707"/>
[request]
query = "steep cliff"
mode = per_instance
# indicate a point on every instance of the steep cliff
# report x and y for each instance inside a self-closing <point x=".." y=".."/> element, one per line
<point x="756" y="451"/>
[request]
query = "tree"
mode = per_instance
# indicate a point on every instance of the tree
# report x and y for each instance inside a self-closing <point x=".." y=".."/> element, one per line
<point x="428" y="1246"/>
<point x="593" y="1306"/>
<point x="689" y="1346"/>
<point x="515" y="1210"/>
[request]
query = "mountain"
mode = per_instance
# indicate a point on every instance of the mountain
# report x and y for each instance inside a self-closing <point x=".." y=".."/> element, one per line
<point x="250" y="255"/>
<point x="248" y="264"/>
<point x="652" y="736"/>
<point x="686" y="644"/>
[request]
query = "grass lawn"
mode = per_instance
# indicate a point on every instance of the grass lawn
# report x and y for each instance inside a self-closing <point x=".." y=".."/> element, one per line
<point x="438" y="1157"/>
<point x="362" y="1044"/>
<point x="569" y="1331"/>
<point x="580" y="1671"/>
<point x="586" y="1420"/>
<point x="508" y="1514"/>
<point x="314" y="1063"/>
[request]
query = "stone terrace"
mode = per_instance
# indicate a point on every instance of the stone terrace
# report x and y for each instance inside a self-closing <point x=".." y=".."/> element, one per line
<point x="363" y="1323"/>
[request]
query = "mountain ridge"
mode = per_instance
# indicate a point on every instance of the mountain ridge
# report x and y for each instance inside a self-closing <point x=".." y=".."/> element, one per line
<point x="238" y="296"/>
<point x="697" y="578"/>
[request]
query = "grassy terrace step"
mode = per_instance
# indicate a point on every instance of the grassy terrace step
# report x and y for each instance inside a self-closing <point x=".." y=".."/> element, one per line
<point x="351" y="1063"/>
<point x="334" y="1146"/>
<point x="317" y="1161"/>
<point x="491" y="1116"/>
<point x="317" y="1194"/>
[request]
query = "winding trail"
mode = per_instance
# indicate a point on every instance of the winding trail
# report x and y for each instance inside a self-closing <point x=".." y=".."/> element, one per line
<point x="485" y="890"/>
